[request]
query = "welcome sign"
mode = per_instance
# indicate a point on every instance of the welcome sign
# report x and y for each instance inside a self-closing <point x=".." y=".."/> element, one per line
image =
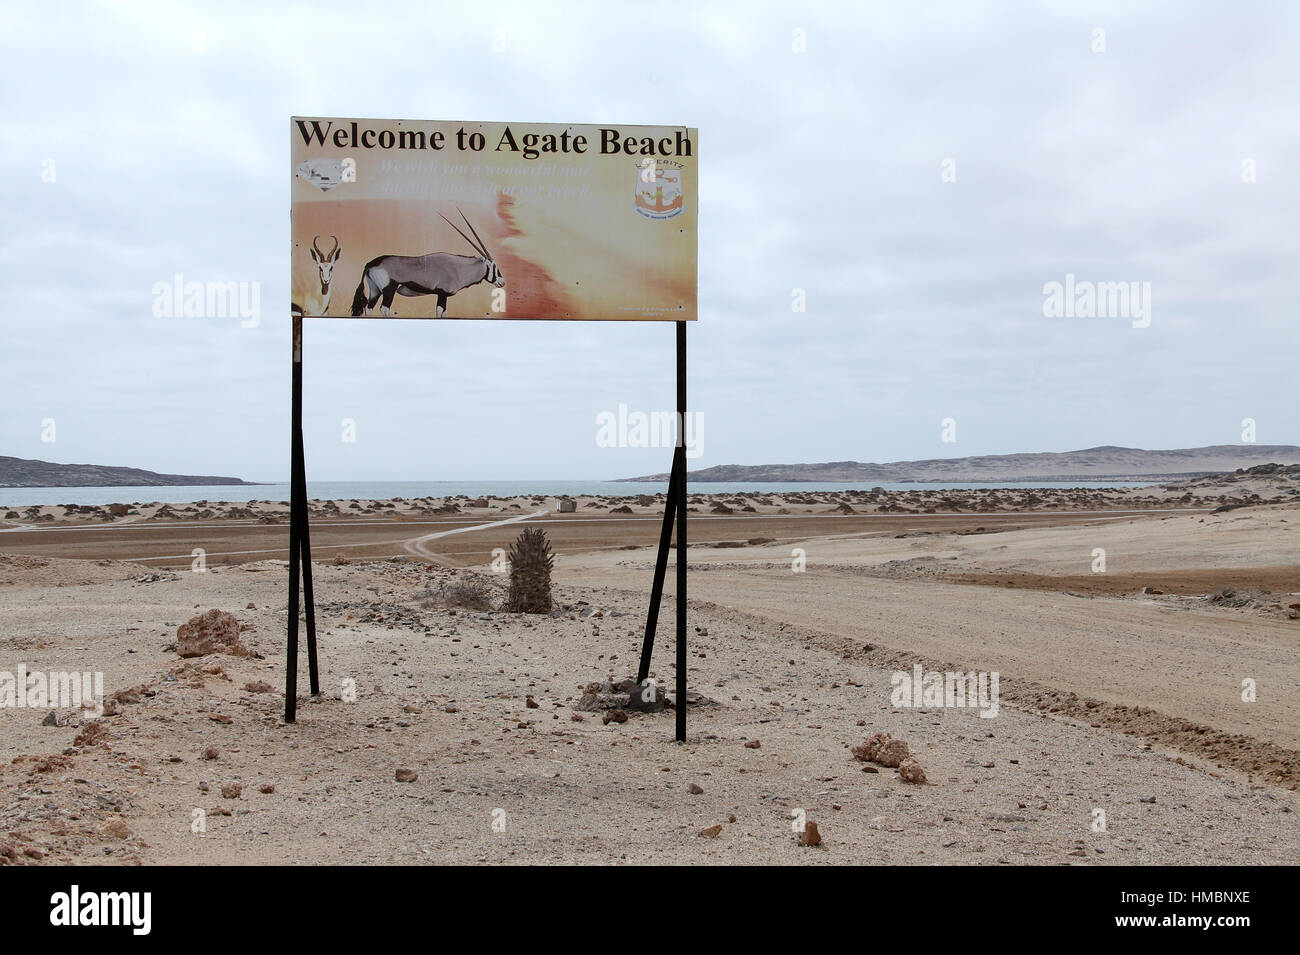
<point x="415" y="219"/>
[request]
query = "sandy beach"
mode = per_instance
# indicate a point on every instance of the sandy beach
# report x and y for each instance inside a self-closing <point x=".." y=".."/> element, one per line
<point x="1121" y="691"/>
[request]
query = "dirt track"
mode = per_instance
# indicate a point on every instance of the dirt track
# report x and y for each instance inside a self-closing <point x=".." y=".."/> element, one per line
<point x="171" y="544"/>
<point x="1284" y="579"/>
<point x="964" y="601"/>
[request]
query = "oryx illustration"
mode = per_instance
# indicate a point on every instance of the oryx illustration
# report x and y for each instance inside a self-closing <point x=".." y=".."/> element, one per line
<point x="439" y="273"/>
<point x="325" y="262"/>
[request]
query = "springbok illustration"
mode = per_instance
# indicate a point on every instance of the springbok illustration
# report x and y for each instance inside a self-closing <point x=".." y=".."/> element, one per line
<point x="439" y="273"/>
<point x="325" y="262"/>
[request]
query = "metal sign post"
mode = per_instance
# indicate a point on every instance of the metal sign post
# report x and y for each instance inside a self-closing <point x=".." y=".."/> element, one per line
<point x="299" y="544"/>
<point x="675" y="506"/>
<point x="679" y="454"/>
<point x="300" y="548"/>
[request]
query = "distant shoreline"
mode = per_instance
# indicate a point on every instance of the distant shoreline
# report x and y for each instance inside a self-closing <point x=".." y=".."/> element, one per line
<point x="412" y="490"/>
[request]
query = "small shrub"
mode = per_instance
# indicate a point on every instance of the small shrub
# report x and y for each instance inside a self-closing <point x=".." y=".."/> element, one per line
<point x="467" y="595"/>
<point x="463" y="594"/>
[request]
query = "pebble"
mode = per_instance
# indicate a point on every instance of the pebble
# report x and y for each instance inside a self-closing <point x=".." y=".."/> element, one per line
<point x="810" y="835"/>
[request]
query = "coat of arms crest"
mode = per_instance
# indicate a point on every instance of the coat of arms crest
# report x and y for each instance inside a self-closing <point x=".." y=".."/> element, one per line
<point x="659" y="189"/>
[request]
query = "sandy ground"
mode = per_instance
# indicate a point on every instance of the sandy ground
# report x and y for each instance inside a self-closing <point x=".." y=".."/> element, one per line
<point x="1114" y="703"/>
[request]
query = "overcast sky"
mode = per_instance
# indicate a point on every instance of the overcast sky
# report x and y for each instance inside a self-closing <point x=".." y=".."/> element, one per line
<point x="148" y="139"/>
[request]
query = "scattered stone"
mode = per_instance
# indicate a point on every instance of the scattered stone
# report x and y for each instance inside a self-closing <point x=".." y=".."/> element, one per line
<point x="232" y="790"/>
<point x="213" y="632"/>
<point x="91" y="734"/>
<point x="51" y="719"/>
<point x="646" y="698"/>
<point x="614" y="716"/>
<point x="867" y="751"/>
<point x="711" y="832"/>
<point x="258" y="686"/>
<point x="605" y="695"/>
<point x="910" y="771"/>
<point x="892" y="753"/>
<point x="694" y="789"/>
<point x="881" y="748"/>
<point x="211" y="753"/>
<point x="531" y="703"/>
<point x="753" y="744"/>
<point x="810" y="836"/>
<point x="406" y="775"/>
<point x="117" y="829"/>
<point x="266" y="788"/>
<point x="1227" y="597"/>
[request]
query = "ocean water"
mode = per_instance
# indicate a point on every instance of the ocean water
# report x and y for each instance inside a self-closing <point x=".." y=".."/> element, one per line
<point x="18" y="497"/>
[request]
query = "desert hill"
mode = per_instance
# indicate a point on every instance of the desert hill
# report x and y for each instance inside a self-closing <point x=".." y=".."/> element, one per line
<point x="1107" y="463"/>
<point x="26" y="472"/>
